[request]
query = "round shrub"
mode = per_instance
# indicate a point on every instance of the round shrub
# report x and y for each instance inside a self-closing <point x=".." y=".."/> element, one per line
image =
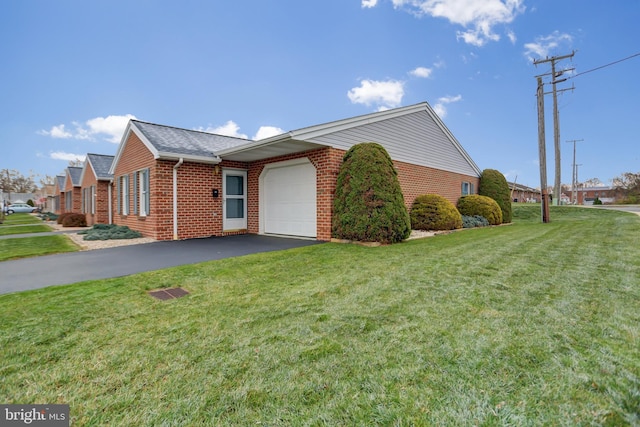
<point x="434" y="212"/>
<point x="368" y="205"/>
<point x="62" y="216"/>
<point x="493" y="184"/>
<point x="74" y="220"/>
<point x="476" y="204"/>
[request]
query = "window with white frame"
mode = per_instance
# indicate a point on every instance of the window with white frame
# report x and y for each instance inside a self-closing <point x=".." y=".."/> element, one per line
<point x="467" y="188"/>
<point x="92" y="198"/>
<point x="124" y="194"/>
<point x="143" y="192"/>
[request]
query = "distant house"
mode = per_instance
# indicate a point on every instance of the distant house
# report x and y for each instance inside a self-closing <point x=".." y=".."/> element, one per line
<point x="522" y="193"/>
<point x="95" y="181"/>
<point x="58" y="194"/>
<point x="587" y="195"/>
<point x="172" y="183"/>
<point x="72" y="194"/>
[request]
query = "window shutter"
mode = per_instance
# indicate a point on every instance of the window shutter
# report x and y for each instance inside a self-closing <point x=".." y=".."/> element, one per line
<point x="135" y="193"/>
<point x="146" y="191"/>
<point x="118" y="204"/>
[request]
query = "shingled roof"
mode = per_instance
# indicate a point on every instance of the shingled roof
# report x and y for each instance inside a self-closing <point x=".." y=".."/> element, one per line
<point x="101" y="164"/>
<point x="75" y="173"/>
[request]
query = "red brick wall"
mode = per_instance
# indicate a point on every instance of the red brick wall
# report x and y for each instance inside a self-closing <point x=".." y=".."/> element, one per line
<point x="417" y="180"/>
<point x="101" y="215"/>
<point x="135" y="157"/>
<point x="75" y="197"/>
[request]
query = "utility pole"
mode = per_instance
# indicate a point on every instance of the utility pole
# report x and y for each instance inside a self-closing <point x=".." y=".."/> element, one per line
<point x="556" y="120"/>
<point x="574" y="173"/>
<point x="577" y="186"/>
<point x="542" y="152"/>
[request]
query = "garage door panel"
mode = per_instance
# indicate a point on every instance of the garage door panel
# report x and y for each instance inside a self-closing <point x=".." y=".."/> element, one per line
<point x="290" y="200"/>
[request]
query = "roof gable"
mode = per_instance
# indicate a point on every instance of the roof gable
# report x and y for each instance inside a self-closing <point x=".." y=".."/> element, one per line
<point x="99" y="164"/>
<point x="172" y="143"/>
<point x="413" y="134"/>
<point x="74" y="173"/>
<point x="60" y="182"/>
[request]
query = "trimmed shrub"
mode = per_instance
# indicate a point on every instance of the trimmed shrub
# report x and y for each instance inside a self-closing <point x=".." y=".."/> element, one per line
<point x="434" y="212"/>
<point x="493" y="184"/>
<point x="474" y="221"/>
<point x="30" y="203"/>
<point x="484" y="206"/>
<point x="597" y="201"/>
<point x="48" y="216"/>
<point x="74" y="220"/>
<point x="62" y="216"/>
<point x="368" y="205"/>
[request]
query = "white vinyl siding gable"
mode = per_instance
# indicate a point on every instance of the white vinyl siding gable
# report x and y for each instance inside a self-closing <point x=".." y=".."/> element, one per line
<point x="413" y="138"/>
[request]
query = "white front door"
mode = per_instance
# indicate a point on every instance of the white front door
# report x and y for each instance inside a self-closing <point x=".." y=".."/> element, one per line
<point x="234" y="200"/>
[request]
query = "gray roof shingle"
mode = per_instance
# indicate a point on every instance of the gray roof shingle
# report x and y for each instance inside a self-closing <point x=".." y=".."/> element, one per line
<point x="101" y="164"/>
<point x="75" y="173"/>
<point x="167" y="139"/>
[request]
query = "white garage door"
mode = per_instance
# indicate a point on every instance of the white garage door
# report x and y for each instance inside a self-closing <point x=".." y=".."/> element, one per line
<point x="289" y="192"/>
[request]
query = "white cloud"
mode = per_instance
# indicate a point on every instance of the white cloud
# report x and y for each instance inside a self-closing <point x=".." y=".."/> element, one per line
<point x="369" y="3"/>
<point x="266" y="132"/>
<point x="477" y="17"/>
<point x="544" y="45"/>
<point x="228" y="129"/>
<point x="61" y="155"/>
<point x="512" y="37"/>
<point x="441" y="106"/>
<point x="421" y="72"/>
<point x="57" y="132"/>
<point x="110" y="127"/>
<point x="380" y="93"/>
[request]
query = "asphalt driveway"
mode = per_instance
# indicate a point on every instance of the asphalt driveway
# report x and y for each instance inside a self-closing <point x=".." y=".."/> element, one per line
<point x="39" y="272"/>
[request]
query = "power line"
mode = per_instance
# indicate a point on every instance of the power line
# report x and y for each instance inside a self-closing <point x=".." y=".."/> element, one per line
<point x="604" y="66"/>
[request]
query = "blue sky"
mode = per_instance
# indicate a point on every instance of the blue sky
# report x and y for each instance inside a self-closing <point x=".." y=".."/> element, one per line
<point x="73" y="72"/>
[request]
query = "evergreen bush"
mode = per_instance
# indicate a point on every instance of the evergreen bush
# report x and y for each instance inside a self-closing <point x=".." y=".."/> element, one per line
<point x="368" y="205"/>
<point x="484" y="206"/>
<point x="110" y="232"/>
<point x="30" y="203"/>
<point x="74" y="220"/>
<point x="597" y="201"/>
<point x="474" y="221"/>
<point x="493" y="184"/>
<point x="434" y="212"/>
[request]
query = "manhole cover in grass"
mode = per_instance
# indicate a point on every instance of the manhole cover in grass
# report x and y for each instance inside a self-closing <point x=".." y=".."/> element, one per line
<point x="169" y="293"/>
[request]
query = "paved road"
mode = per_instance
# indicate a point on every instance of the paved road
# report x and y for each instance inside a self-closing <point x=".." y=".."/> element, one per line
<point x="40" y="272"/>
<point x="626" y="208"/>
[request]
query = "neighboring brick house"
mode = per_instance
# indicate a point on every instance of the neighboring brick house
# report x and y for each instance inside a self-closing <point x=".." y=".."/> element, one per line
<point x="95" y="183"/>
<point x="522" y="193"/>
<point x="178" y="183"/>
<point x="71" y="193"/>
<point x="58" y="194"/>
<point x="587" y="195"/>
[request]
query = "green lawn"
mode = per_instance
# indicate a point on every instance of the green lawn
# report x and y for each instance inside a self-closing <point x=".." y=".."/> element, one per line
<point x="34" y="246"/>
<point x="20" y="218"/>
<point x="526" y="324"/>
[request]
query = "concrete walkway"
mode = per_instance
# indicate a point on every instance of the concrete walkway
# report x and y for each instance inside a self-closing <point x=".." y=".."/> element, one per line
<point x="39" y="272"/>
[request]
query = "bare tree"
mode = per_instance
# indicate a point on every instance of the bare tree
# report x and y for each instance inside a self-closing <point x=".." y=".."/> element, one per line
<point x="628" y="185"/>
<point x="592" y="182"/>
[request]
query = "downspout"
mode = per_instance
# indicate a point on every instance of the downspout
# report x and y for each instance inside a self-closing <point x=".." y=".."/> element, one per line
<point x="110" y="197"/>
<point x="175" y="198"/>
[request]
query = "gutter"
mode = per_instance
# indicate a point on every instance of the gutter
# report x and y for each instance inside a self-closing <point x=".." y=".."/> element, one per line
<point x="175" y="198"/>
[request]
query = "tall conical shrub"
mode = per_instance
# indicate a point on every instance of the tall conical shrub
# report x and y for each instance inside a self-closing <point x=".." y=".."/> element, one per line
<point x="493" y="184"/>
<point x="368" y="205"/>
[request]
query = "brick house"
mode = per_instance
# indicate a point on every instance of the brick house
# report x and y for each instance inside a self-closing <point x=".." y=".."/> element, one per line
<point x="70" y="200"/>
<point x="172" y="183"/>
<point x="95" y="182"/>
<point x="58" y="194"/>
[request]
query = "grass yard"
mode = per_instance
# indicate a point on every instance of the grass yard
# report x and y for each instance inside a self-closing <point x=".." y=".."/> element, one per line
<point x="34" y="246"/>
<point x="22" y="223"/>
<point x="527" y="324"/>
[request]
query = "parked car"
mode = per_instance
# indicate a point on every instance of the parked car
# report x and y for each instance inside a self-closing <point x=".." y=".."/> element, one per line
<point x="20" y="208"/>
